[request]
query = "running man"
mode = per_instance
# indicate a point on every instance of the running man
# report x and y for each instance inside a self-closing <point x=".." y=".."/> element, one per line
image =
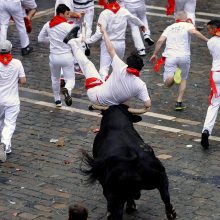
<point x="214" y="98"/>
<point x="177" y="54"/>
<point x="11" y="74"/>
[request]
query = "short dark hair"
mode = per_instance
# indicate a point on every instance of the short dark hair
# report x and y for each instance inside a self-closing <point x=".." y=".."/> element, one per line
<point x="214" y="23"/>
<point x="135" y="61"/>
<point x="61" y="9"/>
<point x="77" y="212"/>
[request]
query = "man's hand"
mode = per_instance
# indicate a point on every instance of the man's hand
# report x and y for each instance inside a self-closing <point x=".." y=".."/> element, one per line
<point x="142" y="28"/>
<point x="75" y="14"/>
<point x="147" y="104"/>
<point x="82" y="13"/>
<point x="153" y="58"/>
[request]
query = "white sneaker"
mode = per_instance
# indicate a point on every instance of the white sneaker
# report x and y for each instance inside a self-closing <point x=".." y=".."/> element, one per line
<point x="149" y="40"/>
<point x="141" y="52"/>
<point x="3" y="155"/>
<point x="8" y="150"/>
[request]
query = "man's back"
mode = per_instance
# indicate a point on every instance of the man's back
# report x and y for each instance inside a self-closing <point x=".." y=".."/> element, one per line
<point x="56" y="35"/>
<point x="126" y="85"/>
<point x="178" y="39"/>
<point x="9" y="76"/>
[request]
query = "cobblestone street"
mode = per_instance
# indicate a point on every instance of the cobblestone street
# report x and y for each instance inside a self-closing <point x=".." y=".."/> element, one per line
<point x="42" y="177"/>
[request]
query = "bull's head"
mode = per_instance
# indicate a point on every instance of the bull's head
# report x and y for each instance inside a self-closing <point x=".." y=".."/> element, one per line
<point x="133" y="113"/>
<point x="136" y="111"/>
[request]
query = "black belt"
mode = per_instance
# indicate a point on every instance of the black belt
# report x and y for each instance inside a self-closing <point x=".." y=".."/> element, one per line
<point x="84" y="3"/>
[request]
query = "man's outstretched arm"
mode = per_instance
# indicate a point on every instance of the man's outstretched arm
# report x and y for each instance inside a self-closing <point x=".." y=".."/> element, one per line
<point x="108" y="43"/>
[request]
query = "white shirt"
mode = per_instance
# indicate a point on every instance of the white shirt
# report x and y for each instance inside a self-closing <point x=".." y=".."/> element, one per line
<point x="115" y="24"/>
<point x="55" y="36"/>
<point x="214" y="48"/>
<point x="9" y="76"/>
<point x="121" y="86"/>
<point x="134" y="3"/>
<point x="178" y="39"/>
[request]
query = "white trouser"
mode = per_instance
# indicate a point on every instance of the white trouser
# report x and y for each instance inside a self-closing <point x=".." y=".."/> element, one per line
<point x="105" y="58"/>
<point x="139" y="12"/>
<point x="88" y="19"/>
<point x="86" y="66"/>
<point x="189" y="6"/>
<point x="29" y="5"/>
<point x="8" y="117"/>
<point x="212" y="111"/>
<point x="12" y="9"/>
<point x="171" y="63"/>
<point x="64" y="62"/>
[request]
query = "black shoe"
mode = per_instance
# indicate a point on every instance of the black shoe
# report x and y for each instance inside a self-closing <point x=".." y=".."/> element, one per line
<point x="149" y="41"/>
<point x="205" y="139"/>
<point x="87" y="50"/>
<point x="72" y="34"/>
<point x="25" y="51"/>
<point x="68" y="98"/>
<point x="58" y="103"/>
<point x="179" y="106"/>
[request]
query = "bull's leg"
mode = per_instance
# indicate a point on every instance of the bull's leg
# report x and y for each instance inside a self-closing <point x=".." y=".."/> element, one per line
<point x="165" y="196"/>
<point x="115" y="208"/>
<point x="130" y="206"/>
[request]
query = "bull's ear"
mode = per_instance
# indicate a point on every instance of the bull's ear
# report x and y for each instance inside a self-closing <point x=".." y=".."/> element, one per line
<point x="136" y="118"/>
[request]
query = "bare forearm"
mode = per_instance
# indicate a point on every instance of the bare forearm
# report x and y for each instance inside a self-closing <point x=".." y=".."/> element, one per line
<point x="200" y="36"/>
<point x="157" y="47"/>
<point x="109" y="45"/>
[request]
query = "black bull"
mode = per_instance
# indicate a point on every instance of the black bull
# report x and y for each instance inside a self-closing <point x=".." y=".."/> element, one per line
<point x="124" y="164"/>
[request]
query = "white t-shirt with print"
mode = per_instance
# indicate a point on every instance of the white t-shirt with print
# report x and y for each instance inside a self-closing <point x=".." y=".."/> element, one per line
<point x="121" y="86"/>
<point x="214" y="48"/>
<point x="9" y="76"/>
<point x="178" y="39"/>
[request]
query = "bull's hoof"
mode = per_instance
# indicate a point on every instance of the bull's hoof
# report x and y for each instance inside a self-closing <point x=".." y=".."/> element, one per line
<point x="109" y="216"/>
<point x="171" y="215"/>
<point x="131" y="209"/>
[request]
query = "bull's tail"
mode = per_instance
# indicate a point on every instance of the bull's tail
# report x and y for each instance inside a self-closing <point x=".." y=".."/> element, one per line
<point x="95" y="167"/>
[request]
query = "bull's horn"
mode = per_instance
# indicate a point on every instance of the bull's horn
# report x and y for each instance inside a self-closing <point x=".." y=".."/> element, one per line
<point x="98" y="107"/>
<point x="138" y="111"/>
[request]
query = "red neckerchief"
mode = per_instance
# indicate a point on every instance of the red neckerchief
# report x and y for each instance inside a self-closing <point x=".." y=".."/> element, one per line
<point x="102" y="2"/>
<point x="214" y="90"/>
<point x="113" y="6"/>
<point x="92" y="82"/>
<point x="56" y="20"/>
<point x="217" y="30"/>
<point x="159" y="63"/>
<point x="5" y="58"/>
<point x="170" y="7"/>
<point x="178" y="21"/>
<point x="133" y="71"/>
